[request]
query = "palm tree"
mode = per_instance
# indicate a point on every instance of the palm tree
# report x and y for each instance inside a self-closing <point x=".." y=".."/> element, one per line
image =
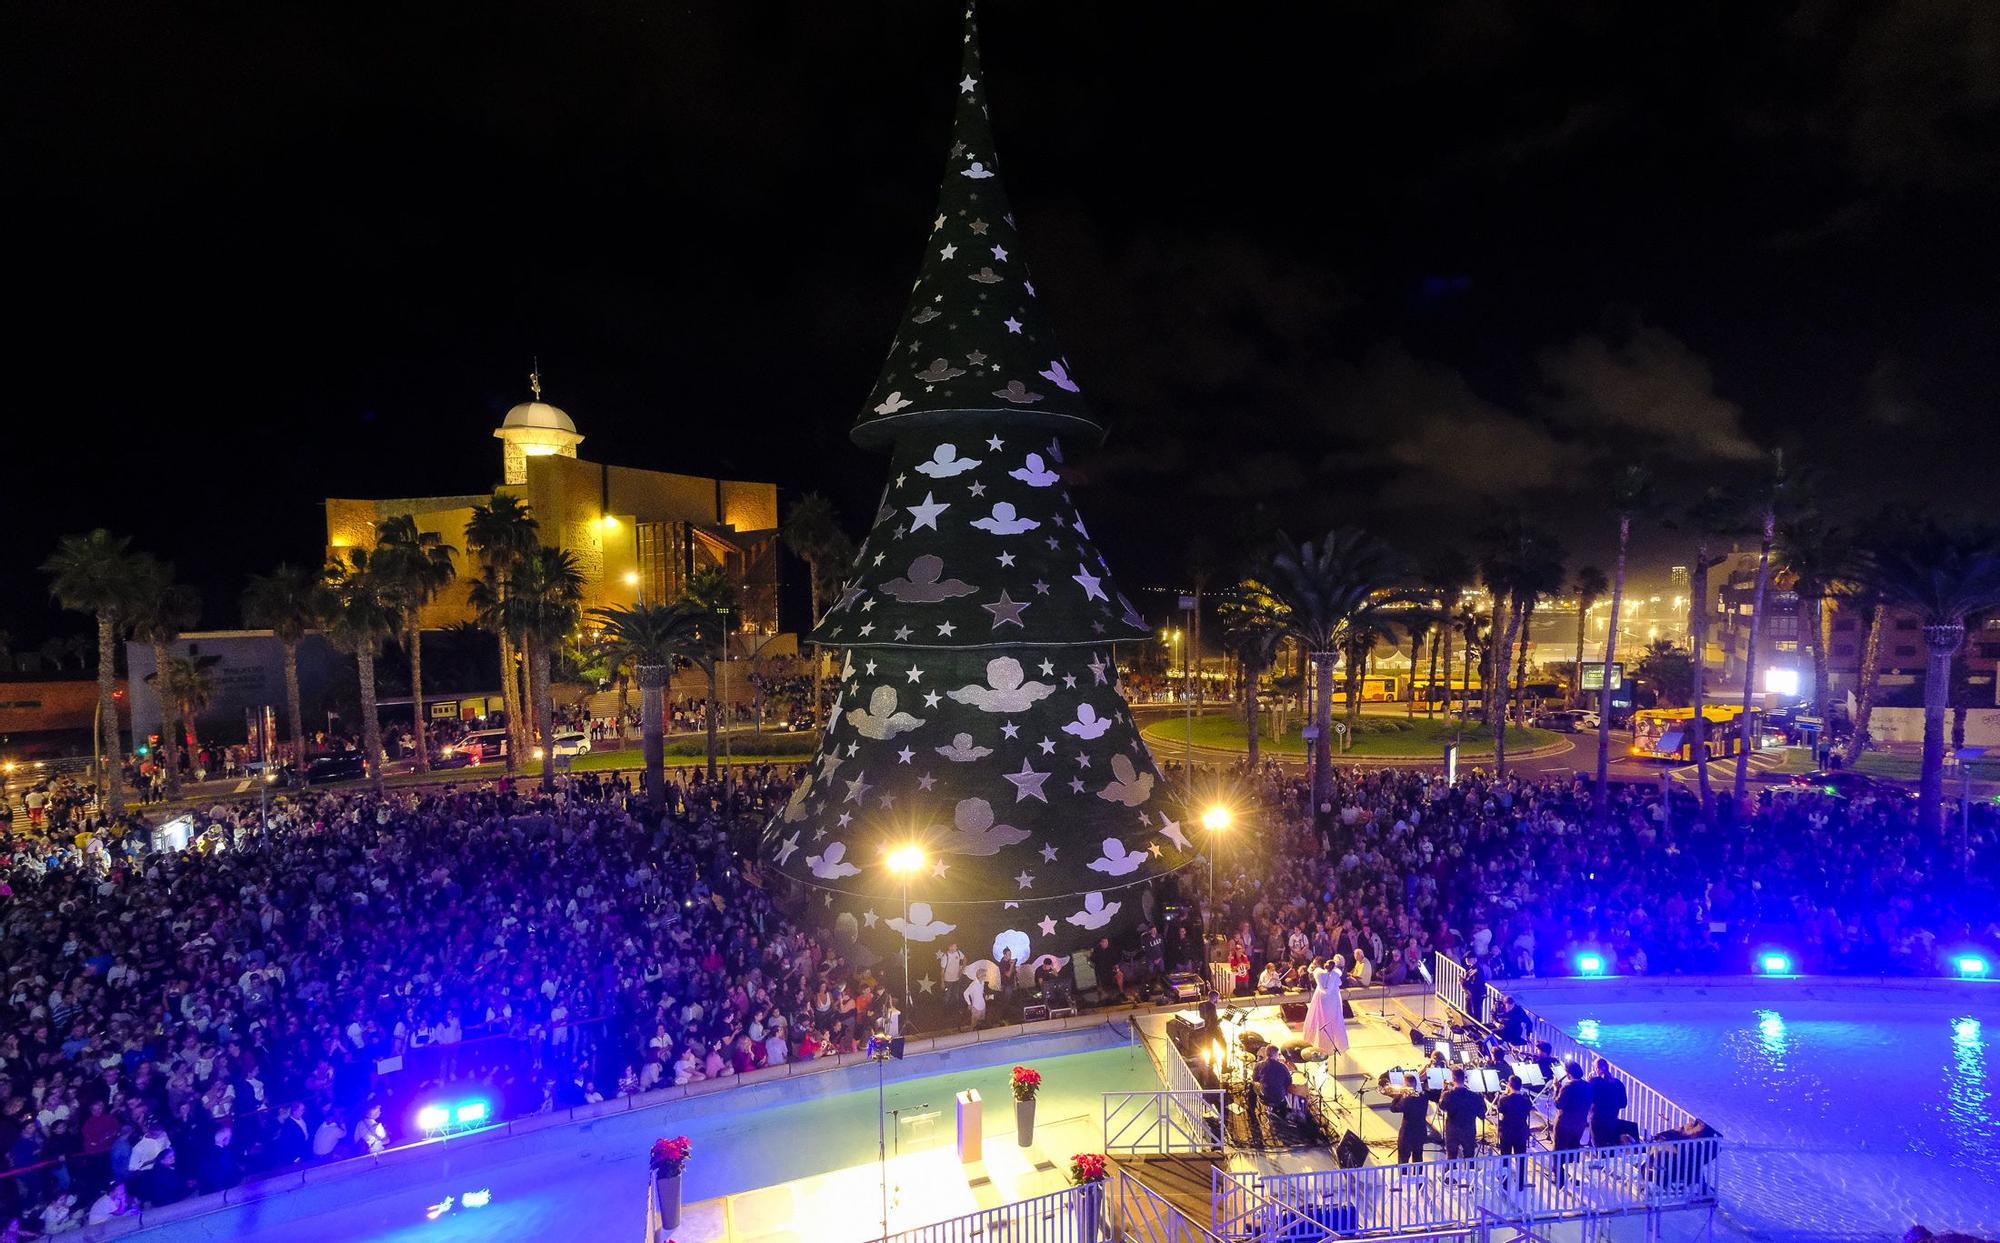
<point x="1478" y="635"/>
<point x="502" y="534"/>
<point x="1315" y="590"/>
<point x="1445" y="576"/>
<point x="189" y="681"/>
<point x="364" y="612"/>
<point x="1714" y="515"/>
<point x="648" y="638"/>
<point x="544" y="596"/>
<point x="1944" y="577"/>
<point x="1862" y="597"/>
<point x="288" y="602"/>
<point x="416" y="565"/>
<point x="1253" y="633"/>
<point x="1820" y="557"/>
<point x="92" y="574"/>
<point x="1773" y="494"/>
<point x="814" y="535"/>
<point x="1522" y="563"/>
<point x="711" y="596"/>
<point x="1588" y="587"/>
<point x="1631" y="495"/>
<point x="160" y="609"/>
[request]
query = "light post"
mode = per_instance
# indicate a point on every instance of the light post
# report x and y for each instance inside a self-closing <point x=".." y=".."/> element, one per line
<point x="1216" y="820"/>
<point x="637" y="584"/>
<point x="904" y="862"/>
<point x="878" y="1053"/>
<point x="1187" y="680"/>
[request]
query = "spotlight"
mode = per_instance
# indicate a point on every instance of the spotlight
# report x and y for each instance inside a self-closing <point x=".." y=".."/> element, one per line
<point x="470" y="1112"/>
<point x="1775" y="964"/>
<point x="1972" y="967"/>
<point x="433" y="1118"/>
<point x="1590" y="964"/>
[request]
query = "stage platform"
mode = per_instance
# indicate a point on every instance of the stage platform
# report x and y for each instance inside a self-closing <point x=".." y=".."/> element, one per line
<point x="925" y="1186"/>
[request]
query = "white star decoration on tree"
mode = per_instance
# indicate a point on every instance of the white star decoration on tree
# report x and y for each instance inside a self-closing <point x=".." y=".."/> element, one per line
<point x="1027" y="783"/>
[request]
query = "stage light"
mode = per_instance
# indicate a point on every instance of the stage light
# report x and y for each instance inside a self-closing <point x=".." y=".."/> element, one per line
<point x="1775" y="964"/>
<point x="1216" y="819"/>
<point x="1972" y="967"/>
<point x="433" y="1118"/>
<point x="476" y="1199"/>
<point x="1590" y="964"/>
<point x="470" y="1112"/>
<point x="906" y="859"/>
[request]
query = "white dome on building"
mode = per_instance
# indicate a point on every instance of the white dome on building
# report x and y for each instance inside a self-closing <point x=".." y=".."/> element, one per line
<point x="540" y="416"/>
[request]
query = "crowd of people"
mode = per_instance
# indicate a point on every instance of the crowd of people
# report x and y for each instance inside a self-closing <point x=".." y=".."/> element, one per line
<point x="299" y="983"/>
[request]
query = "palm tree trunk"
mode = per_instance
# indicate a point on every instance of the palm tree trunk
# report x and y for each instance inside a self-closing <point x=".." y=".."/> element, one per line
<point x="371" y="724"/>
<point x="652" y="732"/>
<point x="1521" y="664"/>
<point x="510" y="700"/>
<point x="1600" y="799"/>
<point x="545" y="711"/>
<point x="1499" y="719"/>
<point x="415" y="636"/>
<point x="294" y="709"/>
<point x="1416" y="641"/>
<point x="1322" y="774"/>
<point x="819" y="653"/>
<point x="1250" y="730"/>
<point x="709" y="669"/>
<point x="1941" y="644"/>
<point x="1822" y="623"/>
<point x="1576" y="670"/>
<point x="1871" y="669"/>
<point x="170" y="743"/>
<point x="1430" y="687"/>
<point x="1459" y="733"/>
<point x="1745" y="740"/>
<point x="1494" y="662"/>
<point x="107" y="708"/>
<point x="1698" y="633"/>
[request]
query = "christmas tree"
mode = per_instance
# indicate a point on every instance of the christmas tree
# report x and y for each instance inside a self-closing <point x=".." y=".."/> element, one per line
<point x="980" y="779"/>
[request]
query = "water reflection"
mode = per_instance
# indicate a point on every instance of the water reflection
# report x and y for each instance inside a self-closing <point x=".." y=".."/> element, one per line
<point x="1969" y="1101"/>
<point x="1586" y="1032"/>
<point x="1771" y="1038"/>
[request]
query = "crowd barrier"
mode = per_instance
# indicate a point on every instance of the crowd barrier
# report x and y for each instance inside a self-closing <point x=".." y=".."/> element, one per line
<point x="1072" y="1215"/>
<point x="1646" y="1106"/>
<point x="1474" y="1193"/>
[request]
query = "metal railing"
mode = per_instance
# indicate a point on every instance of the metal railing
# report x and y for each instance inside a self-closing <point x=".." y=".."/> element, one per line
<point x="1072" y="1215"/>
<point x="1164" y="1123"/>
<point x="1471" y="1192"/>
<point x="1142" y="1215"/>
<point x="1646" y="1106"/>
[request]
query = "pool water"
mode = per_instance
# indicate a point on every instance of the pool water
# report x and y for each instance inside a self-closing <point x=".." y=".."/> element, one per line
<point x="1852" y="1109"/>
<point x="588" y="1181"/>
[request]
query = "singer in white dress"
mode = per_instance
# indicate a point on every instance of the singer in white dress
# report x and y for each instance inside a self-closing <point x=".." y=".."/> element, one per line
<point x="1326" y="1026"/>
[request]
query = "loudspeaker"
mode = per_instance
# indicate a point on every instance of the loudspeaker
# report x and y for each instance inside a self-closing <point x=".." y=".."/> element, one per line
<point x="1293" y="1013"/>
<point x="1351" y="1152"/>
<point x="1183" y="1034"/>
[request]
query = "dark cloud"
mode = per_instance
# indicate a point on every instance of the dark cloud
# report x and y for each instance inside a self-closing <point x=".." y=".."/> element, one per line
<point x="1649" y="386"/>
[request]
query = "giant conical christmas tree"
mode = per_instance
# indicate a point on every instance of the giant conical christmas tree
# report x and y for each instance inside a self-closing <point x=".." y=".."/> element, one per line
<point x="979" y="717"/>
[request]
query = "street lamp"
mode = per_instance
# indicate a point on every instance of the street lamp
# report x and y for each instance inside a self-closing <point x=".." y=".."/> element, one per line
<point x="1216" y="820"/>
<point x="904" y="862"/>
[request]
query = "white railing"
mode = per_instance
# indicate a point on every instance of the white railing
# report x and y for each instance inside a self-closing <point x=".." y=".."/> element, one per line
<point x="1163" y="1123"/>
<point x="1448" y="983"/>
<point x="1072" y="1215"/>
<point x="1467" y="1193"/>
<point x="1648" y="1108"/>
<point x="1142" y="1215"/>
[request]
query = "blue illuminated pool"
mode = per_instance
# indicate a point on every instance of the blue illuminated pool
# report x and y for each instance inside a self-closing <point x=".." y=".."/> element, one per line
<point x="1853" y="1108"/>
<point x="587" y="1181"/>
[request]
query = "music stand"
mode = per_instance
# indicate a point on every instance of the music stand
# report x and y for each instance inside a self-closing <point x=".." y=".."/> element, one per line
<point x="1436" y="1078"/>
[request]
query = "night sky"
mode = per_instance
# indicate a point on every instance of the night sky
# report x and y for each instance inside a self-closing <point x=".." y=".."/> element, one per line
<point x="1405" y="266"/>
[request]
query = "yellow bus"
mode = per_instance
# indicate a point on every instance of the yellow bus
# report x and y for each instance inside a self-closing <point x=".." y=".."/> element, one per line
<point x="1668" y="733"/>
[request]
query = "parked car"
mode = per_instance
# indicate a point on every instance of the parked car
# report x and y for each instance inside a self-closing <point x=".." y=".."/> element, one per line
<point x="484" y="746"/>
<point x="335" y="766"/>
<point x="1846" y="784"/>
<point x="572" y="743"/>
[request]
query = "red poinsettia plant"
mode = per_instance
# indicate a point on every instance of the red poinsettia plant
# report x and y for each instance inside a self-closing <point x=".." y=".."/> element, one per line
<point x="1087" y="1167"/>
<point x="670" y="1156"/>
<point x="1027" y="1082"/>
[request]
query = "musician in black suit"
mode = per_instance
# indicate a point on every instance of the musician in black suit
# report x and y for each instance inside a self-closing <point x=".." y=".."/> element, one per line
<point x="1412" y="1109"/>
<point x="1475" y="992"/>
<point x="1607" y="1101"/>
<point x="1515" y="1108"/>
<point x="1462" y="1108"/>
<point x="1573" y="1104"/>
